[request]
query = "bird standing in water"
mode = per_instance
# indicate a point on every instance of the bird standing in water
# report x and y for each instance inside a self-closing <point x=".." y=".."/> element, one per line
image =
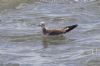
<point x="56" y="31"/>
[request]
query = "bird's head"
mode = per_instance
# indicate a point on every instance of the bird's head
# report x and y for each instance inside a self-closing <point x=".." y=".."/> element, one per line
<point x="42" y="24"/>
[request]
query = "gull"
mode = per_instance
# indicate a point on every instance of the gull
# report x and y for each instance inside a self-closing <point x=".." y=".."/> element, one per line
<point x="56" y="31"/>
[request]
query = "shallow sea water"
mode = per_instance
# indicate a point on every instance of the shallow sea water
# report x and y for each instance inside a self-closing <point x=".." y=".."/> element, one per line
<point x="22" y="42"/>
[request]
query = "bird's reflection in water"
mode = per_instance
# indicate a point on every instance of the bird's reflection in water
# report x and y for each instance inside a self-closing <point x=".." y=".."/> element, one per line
<point x="48" y="40"/>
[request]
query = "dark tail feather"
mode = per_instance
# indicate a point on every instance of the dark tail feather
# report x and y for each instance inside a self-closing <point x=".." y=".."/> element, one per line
<point x="70" y="28"/>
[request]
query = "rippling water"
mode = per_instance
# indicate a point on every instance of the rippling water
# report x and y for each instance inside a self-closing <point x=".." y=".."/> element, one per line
<point x="22" y="42"/>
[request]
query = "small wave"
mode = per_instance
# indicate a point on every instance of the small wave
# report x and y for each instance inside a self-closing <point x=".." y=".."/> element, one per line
<point x="7" y="4"/>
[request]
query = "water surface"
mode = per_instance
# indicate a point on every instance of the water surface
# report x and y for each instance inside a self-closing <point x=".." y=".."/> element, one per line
<point x="22" y="42"/>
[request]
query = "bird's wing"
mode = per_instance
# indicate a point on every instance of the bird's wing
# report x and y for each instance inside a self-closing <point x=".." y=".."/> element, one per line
<point x="69" y="28"/>
<point x="55" y="32"/>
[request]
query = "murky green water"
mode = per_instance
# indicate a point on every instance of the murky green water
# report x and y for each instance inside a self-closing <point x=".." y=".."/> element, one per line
<point x="22" y="42"/>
